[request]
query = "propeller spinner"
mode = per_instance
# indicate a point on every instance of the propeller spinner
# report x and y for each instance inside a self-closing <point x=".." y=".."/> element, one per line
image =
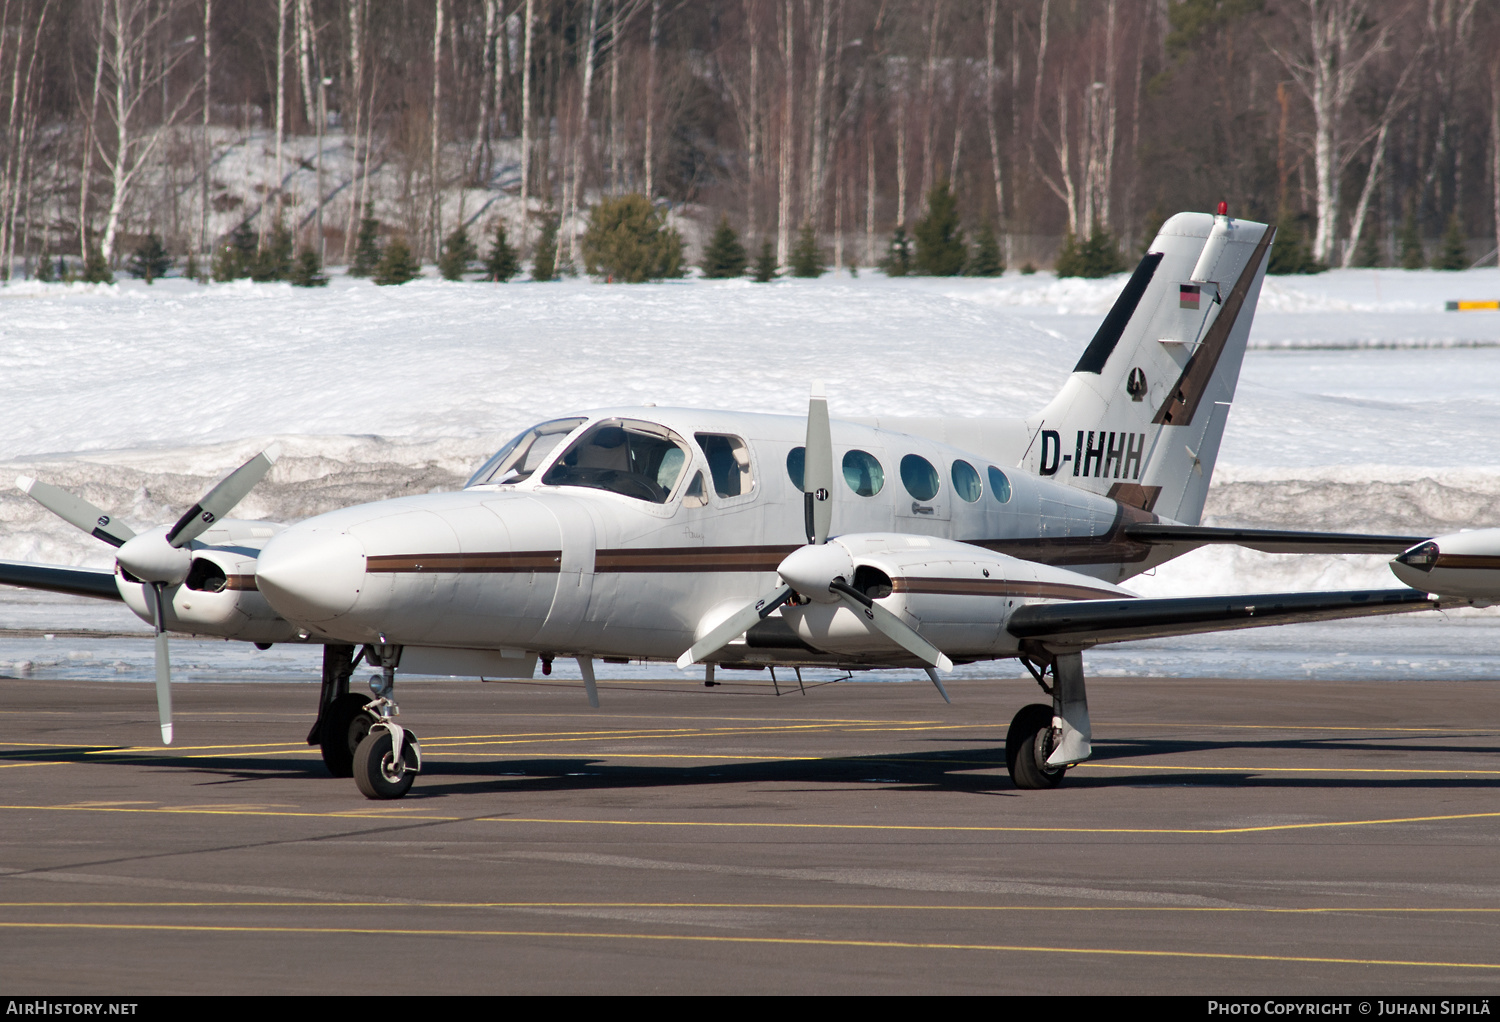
<point x="160" y="557"/>
<point x="820" y="571"/>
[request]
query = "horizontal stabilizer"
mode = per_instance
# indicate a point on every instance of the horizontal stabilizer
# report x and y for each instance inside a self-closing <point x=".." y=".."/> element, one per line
<point x="1095" y="622"/>
<point x="94" y="582"/>
<point x="1271" y="541"/>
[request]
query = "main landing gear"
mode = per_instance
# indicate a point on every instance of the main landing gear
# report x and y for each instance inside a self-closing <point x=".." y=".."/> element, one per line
<point x="357" y="736"/>
<point x="1043" y="741"/>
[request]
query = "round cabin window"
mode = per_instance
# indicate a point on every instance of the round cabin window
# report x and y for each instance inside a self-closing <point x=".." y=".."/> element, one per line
<point x="863" y="473"/>
<point x="919" y="477"/>
<point x="966" y="481"/>
<point x="999" y="485"/>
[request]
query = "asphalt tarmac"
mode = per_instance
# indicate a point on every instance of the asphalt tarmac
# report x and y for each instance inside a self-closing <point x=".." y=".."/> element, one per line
<point x="1229" y="837"/>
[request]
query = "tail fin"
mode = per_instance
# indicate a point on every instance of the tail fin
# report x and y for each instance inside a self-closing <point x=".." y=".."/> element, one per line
<point x="1141" y="417"/>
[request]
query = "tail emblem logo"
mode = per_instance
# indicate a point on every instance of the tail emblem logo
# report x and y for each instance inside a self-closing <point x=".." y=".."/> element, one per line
<point x="1135" y="385"/>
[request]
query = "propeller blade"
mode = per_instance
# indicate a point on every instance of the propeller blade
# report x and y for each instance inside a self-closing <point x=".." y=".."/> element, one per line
<point x="893" y="628"/>
<point x="163" y="667"/>
<point x="221" y="500"/>
<point x="817" y="469"/>
<point x="938" y="682"/>
<point x="76" y="511"/>
<point x="735" y="625"/>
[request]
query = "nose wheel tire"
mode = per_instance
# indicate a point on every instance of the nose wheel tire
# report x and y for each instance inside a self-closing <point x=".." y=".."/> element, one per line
<point x="376" y="772"/>
<point x="345" y="725"/>
<point x="1028" y="743"/>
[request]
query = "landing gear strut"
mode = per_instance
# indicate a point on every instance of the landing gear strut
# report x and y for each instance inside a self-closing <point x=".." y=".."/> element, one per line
<point x="1043" y="741"/>
<point x="342" y="719"/>
<point x="388" y="758"/>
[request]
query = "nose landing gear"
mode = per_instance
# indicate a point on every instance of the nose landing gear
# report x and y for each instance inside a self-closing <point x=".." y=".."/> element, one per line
<point x="388" y="758"/>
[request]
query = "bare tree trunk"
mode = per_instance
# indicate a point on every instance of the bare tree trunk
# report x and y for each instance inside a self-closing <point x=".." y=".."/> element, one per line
<point x="483" y="160"/>
<point x="869" y="191"/>
<point x="305" y="59"/>
<point x="86" y="172"/>
<point x="819" y="148"/>
<point x="991" y="17"/>
<point x="1357" y="226"/>
<point x="280" y="106"/>
<point x="529" y="31"/>
<point x="208" y="10"/>
<point x="901" y="105"/>
<point x="650" y="153"/>
<point x="591" y="48"/>
<point x="434" y="177"/>
<point x="1495" y="147"/>
<point x="355" y="88"/>
<point x="929" y="97"/>
<point x="752" y="121"/>
<point x="788" y="105"/>
<point x="614" y="98"/>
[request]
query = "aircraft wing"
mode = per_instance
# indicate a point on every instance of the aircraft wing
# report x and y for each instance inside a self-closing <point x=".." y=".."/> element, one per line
<point x="95" y="582"/>
<point x="1272" y="541"/>
<point x="1095" y="622"/>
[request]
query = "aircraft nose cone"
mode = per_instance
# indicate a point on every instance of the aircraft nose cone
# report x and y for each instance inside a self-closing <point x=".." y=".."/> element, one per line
<point x="311" y="575"/>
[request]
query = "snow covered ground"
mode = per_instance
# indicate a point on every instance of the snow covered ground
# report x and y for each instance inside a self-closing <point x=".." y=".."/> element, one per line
<point x="1363" y="405"/>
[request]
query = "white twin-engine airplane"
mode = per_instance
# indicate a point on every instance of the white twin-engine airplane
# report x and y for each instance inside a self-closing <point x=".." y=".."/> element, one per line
<point x="747" y="541"/>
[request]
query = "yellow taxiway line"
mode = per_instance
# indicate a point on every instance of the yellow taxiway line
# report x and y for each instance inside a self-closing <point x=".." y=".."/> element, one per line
<point x="787" y="942"/>
<point x="415" y="813"/>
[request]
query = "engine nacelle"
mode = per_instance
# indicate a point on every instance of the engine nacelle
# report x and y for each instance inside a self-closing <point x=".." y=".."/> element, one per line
<point x="1464" y="564"/>
<point x="958" y="596"/>
<point x="219" y="596"/>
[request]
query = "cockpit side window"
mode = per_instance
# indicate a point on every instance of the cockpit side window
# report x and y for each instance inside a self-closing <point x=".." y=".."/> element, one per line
<point x="635" y="459"/>
<point x="525" y="454"/>
<point x="728" y="461"/>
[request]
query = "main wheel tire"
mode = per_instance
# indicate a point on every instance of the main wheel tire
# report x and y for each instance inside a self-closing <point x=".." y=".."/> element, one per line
<point x="1028" y="743"/>
<point x="344" y="726"/>
<point x="376" y="772"/>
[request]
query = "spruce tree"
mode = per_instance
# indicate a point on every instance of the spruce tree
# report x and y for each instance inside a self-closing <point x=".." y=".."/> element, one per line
<point x="1290" y="252"/>
<point x="629" y="242"/>
<point x="96" y="268"/>
<point x="1455" y="253"/>
<point x="44" y="269"/>
<point x="502" y="263"/>
<point x="458" y="253"/>
<point x="897" y="261"/>
<point x="274" y="261"/>
<point x="233" y="259"/>
<point x="1413" y="257"/>
<point x="1100" y="254"/>
<point x="807" y="254"/>
<point x="940" y="240"/>
<point x="544" y="261"/>
<point x="1069" y="260"/>
<point x="725" y="256"/>
<point x="765" y="264"/>
<point x="308" y="269"/>
<point x="149" y="260"/>
<point x="366" y="244"/>
<point x="397" y="264"/>
<point x="987" y="260"/>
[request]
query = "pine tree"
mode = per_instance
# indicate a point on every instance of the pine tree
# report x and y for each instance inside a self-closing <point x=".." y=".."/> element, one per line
<point x="1069" y="260"/>
<point x="397" y="264"/>
<point x="897" y="261"/>
<point x="544" y="261"/>
<point x="274" y="261"/>
<point x="1413" y="257"/>
<point x="1096" y="256"/>
<point x="458" y="253"/>
<point x="807" y="254"/>
<point x="940" y="240"/>
<point x="1455" y="253"/>
<point x="96" y="268"/>
<point x="149" y="260"/>
<point x="233" y="259"/>
<point x="725" y="256"/>
<point x="44" y="269"/>
<point x="1290" y="252"/>
<point x="308" y="270"/>
<point x="765" y="264"/>
<point x="366" y="244"/>
<point x="502" y="263"/>
<point x="987" y="260"/>
<point x="629" y="242"/>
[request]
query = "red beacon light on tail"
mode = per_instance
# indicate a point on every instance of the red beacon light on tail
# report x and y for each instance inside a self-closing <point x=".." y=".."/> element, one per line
<point x="1223" y="208"/>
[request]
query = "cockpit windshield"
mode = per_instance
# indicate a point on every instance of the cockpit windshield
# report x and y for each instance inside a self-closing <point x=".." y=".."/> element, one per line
<point x="525" y="454"/>
<point x="635" y="459"/>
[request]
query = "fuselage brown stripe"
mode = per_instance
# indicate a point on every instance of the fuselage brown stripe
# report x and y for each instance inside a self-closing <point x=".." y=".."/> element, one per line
<point x="675" y="559"/>
<point x="1467" y="561"/>
<point x="500" y="563"/>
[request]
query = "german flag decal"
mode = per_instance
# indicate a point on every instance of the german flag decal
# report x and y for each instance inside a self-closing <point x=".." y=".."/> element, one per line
<point x="1187" y="296"/>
